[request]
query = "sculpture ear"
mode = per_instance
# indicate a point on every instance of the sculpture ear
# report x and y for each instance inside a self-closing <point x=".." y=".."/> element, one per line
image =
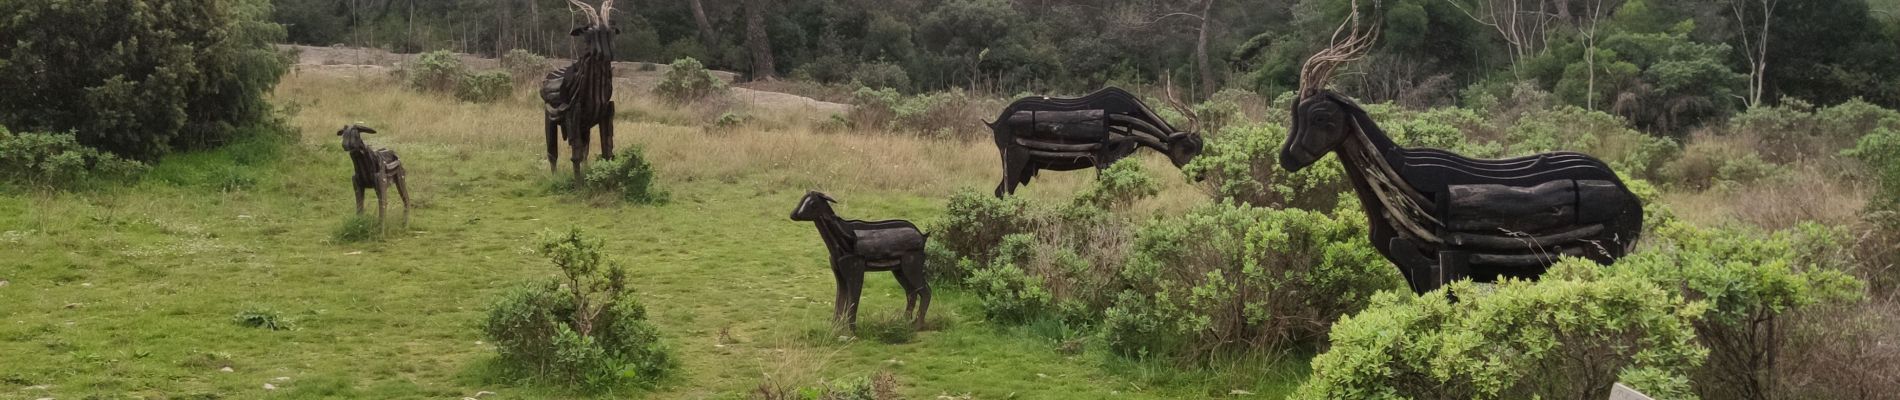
<point x="826" y="197"/>
<point x="364" y="129"/>
<point x="577" y="31"/>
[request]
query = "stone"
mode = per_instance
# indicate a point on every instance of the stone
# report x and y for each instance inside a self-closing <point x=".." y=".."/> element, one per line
<point x="268" y="386"/>
<point x="226" y="369"/>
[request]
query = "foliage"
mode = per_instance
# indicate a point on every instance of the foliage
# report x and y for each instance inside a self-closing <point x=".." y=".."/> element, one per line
<point x="1235" y="276"/>
<point x="940" y="114"/>
<point x="882" y="386"/>
<point x="437" y="71"/>
<point x="972" y="227"/>
<point x="689" y="81"/>
<point x="1567" y="336"/>
<point x="1005" y="292"/>
<point x="1118" y="185"/>
<point x="525" y="66"/>
<point x="1797" y="131"/>
<point x="484" y="87"/>
<point x="629" y="175"/>
<point x="1242" y="164"/>
<point x="138" y="79"/>
<point x="1881" y="151"/>
<point x="56" y="160"/>
<point x="583" y="330"/>
<point x="358" y="228"/>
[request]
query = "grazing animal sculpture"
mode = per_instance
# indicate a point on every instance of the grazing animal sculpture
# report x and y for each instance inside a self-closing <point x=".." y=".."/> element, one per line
<point x="1439" y="216"/>
<point x="860" y="246"/>
<point x="1095" y="130"/>
<point x="375" y="169"/>
<point x="580" y="95"/>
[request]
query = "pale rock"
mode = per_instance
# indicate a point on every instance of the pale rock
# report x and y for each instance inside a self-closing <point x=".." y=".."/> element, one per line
<point x="268" y="386"/>
<point x="226" y="369"/>
<point x="1238" y="392"/>
<point x="280" y="379"/>
<point x="484" y="393"/>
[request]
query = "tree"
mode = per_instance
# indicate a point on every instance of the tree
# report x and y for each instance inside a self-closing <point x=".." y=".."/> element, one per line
<point x="706" y="35"/>
<point x="137" y="78"/>
<point x="756" y="41"/>
<point x="1755" y="50"/>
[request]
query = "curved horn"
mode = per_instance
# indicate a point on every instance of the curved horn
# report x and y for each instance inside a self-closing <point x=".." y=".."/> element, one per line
<point x="592" y="17"/>
<point x="1319" y="68"/>
<point x="606" y="11"/>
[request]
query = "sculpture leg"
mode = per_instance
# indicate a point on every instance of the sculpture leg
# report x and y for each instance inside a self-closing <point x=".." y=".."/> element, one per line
<point x="917" y="286"/>
<point x="359" y="200"/>
<point x="1015" y="168"/>
<point x="382" y="204"/>
<point x="607" y="133"/>
<point x="402" y="189"/>
<point x="854" y="293"/>
<point x="838" y="301"/>
<point x="1451" y="266"/>
<point x="577" y="143"/>
<point x="910" y="292"/>
<point x="554" y="145"/>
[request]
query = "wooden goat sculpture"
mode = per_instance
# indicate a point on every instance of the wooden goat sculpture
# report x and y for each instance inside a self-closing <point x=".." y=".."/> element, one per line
<point x="860" y="246"/>
<point x="580" y="95"/>
<point x="1095" y="130"/>
<point x="375" y="169"/>
<point x="1439" y="216"/>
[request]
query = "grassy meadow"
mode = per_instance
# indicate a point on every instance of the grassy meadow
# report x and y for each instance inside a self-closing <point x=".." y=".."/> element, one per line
<point x="137" y="291"/>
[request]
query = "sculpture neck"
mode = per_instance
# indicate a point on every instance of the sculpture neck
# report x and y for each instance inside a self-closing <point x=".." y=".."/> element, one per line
<point x="831" y="228"/>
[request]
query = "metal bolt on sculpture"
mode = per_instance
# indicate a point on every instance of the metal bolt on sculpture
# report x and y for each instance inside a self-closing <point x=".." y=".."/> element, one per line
<point x="375" y="169"/>
<point x="580" y="95"/>
<point x="1095" y="130"/>
<point x="1440" y="216"/>
<point x="860" y="246"/>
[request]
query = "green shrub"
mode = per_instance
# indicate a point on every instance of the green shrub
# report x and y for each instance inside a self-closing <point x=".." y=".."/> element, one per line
<point x="689" y="81"/>
<point x="882" y="386"/>
<point x="437" y="71"/>
<point x="1118" y="186"/>
<point x="525" y="66"/>
<point x="1712" y="162"/>
<point x="941" y="114"/>
<point x="628" y="175"/>
<point x="1242" y="164"/>
<point x="485" y="87"/>
<point x="1880" y="150"/>
<point x="1562" y="337"/>
<point x="584" y="330"/>
<point x="1750" y="285"/>
<point x="139" y="79"/>
<point x="57" y="160"/>
<point x="882" y="75"/>
<point x="1005" y="291"/>
<point x="358" y="228"/>
<point x="1795" y="130"/>
<point x="1235" y="277"/>
<point x="1590" y="132"/>
<point x="972" y="226"/>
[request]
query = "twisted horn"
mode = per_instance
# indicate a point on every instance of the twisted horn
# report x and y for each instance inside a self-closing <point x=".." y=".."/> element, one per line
<point x="592" y="17"/>
<point x="606" y="11"/>
<point x="1319" y="68"/>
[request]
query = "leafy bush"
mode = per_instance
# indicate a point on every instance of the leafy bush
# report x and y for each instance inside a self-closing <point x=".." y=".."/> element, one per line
<point x="1119" y="185"/>
<point x="1567" y="336"/>
<point x="973" y="226"/>
<point x="585" y="329"/>
<point x="56" y="160"/>
<point x="1242" y="164"/>
<point x="1711" y="161"/>
<point x="1232" y="276"/>
<point x="1590" y="132"/>
<point x="1795" y="130"/>
<point x="437" y="71"/>
<point x="629" y="175"/>
<point x="1750" y="286"/>
<point x="1004" y="290"/>
<point x="882" y="75"/>
<point x="1880" y="150"/>
<point x="525" y="66"/>
<point x="689" y="81"/>
<point x="942" y="114"/>
<point x="484" y="87"/>
<point x="139" y="79"/>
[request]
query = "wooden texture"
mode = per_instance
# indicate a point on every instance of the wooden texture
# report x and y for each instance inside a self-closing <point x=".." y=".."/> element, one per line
<point x="860" y="246"/>
<point x="1093" y="131"/>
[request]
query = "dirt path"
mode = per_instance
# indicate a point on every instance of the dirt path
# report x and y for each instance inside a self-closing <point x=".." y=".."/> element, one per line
<point x="637" y="76"/>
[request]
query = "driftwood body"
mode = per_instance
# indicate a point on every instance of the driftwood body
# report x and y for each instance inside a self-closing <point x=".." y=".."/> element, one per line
<point x="374" y="169"/>
<point x="1092" y="131"/>
<point x="579" y="96"/>
<point x="857" y="247"/>
<point x="1440" y="217"/>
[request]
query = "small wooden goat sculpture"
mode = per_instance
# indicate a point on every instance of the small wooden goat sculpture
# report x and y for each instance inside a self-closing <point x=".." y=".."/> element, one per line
<point x="580" y="96"/>
<point x="1440" y="216"/>
<point x="375" y="169"/>
<point x="859" y="246"/>
<point x="1095" y="130"/>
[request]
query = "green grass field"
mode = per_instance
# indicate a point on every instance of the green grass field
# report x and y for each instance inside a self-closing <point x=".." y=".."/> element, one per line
<point x="133" y="292"/>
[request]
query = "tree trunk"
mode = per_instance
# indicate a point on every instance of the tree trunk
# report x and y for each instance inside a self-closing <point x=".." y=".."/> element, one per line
<point x="1200" y="51"/>
<point x="706" y="37"/>
<point x="756" y="42"/>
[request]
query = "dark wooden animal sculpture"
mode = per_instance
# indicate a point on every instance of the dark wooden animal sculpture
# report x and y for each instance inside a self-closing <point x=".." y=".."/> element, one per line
<point x="1439" y="216"/>
<point x="580" y="95"/>
<point x="860" y="246"/>
<point x="375" y="169"/>
<point x="1095" y="130"/>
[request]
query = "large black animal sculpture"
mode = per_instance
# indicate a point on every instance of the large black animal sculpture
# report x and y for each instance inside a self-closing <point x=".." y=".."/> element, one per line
<point x="580" y="96"/>
<point x="1440" y="216"/>
<point x="860" y="246"/>
<point x="1095" y="130"/>
<point x="375" y="169"/>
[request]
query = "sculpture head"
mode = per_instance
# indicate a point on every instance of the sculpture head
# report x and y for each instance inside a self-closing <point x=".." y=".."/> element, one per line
<point x="813" y="206"/>
<point x="1183" y="147"/>
<point x="1320" y="117"/>
<point x="596" y="33"/>
<point x="353" y="136"/>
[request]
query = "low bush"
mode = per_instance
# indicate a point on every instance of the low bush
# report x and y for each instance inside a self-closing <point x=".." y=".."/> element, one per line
<point x="1004" y="290"/>
<point x="1796" y="130"/>
<point x="1564" y="337"/>
<point x="57" y="160"/>
<point x="629" y="175"/>
<point x="585" y="329"/>
<point x="525" y="66"/>
<point x="1236" y="277"/>
<point x="972" y="227"/>
<point x="1880" y="150"/>
<point x="938" y="114"/>
<point x="881" y="75"/>
<point x="882" y="386"/>
<point x="689" y="81"/>
<point x="1118" y="186"/>
<point x="485" y="87"/>
<point x="1242" y="164"/>
<point x="1718" y="161"/>
<point x="436" y="71"/>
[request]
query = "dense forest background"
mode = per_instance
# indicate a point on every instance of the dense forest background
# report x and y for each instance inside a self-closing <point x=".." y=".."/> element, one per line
<point x="1665" y="65"/>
